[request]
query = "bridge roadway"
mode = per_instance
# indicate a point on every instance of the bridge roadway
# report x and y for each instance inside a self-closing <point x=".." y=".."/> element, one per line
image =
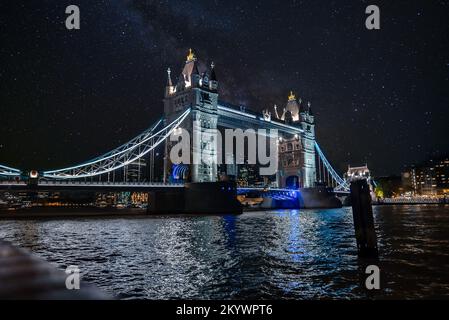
<point x="111" y="186"/>
<point x="90" y="186"/>
<point x="126" y="187"/>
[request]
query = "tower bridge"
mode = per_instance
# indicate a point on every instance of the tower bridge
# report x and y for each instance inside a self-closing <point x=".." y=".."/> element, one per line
<point x="192" y="103"/>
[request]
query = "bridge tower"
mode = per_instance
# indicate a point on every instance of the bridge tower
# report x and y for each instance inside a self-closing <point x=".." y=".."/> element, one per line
<point x="297" y="152"/>
<point x="308" y="146"/>
<point x="199" y="92"/>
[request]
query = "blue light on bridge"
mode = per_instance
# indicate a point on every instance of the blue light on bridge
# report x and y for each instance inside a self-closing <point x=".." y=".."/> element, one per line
<point x="179" y="172"/>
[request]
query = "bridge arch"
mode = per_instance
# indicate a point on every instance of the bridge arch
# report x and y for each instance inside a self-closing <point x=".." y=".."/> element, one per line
<point x="292" y="182"/>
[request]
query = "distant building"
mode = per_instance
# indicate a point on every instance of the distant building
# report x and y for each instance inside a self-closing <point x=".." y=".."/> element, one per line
<point x="430" y="178"/>
<point x="357" y="173"/>
<point x="248" y="175"/>
<point x="136" y="171"/>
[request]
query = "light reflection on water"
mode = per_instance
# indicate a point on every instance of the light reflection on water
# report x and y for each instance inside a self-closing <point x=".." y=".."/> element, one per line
<point x="281" y="254"/>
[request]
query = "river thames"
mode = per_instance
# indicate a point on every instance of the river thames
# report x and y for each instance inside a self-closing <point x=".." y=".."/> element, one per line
<point x="279" y="254"/>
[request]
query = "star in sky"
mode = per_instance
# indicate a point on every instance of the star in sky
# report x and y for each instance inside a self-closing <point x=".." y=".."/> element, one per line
<point x="68" y="96"/>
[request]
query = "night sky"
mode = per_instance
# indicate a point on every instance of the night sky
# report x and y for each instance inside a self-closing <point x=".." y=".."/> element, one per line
<point x="380" y="97"/>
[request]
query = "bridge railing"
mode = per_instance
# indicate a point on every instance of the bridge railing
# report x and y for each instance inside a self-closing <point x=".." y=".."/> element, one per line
<point x="95" y="183"/>
<point x="106" y="183"/>
<point x="9" y="183"/>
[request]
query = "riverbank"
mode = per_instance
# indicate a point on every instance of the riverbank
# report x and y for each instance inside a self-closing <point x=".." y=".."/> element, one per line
<point x="96" y="213"/>
<point x="35" y="213"/>
<point x="410" y="203"/>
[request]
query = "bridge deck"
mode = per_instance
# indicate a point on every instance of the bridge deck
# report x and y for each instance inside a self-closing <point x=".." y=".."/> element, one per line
<point x="94" y="186"/>
<point x="106" y="186"/>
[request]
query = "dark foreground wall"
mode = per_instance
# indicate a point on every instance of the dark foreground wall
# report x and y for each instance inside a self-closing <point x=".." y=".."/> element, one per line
<point x="23" y="276"/>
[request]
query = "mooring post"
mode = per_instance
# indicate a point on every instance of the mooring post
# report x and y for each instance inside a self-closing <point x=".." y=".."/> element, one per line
<point x="362" y="213"/>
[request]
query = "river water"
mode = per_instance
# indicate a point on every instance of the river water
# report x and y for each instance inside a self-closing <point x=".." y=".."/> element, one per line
<point x="280" y="254"/>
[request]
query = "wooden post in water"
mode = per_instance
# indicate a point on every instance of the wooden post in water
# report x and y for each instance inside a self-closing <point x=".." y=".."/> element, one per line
<point x="362" y="213"/>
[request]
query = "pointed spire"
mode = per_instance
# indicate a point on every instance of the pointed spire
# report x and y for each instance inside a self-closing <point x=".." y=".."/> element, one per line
<point x="213" y="75"/>
<point x="283" y="114"/>
<point x="169" y="82"/>
<point x="291" y="97"/>
<point x="276" y="111"/>
<point x="300" y="104"/>
<point x="213" y="82"/>
<point x="309" y="108"/>
<point x="169" y="89"/>
<point x="190" y="73"/>
<point x="191" y="56"/>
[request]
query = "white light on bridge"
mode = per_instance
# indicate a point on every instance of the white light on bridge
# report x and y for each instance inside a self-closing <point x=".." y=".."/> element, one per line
<point x="34" y="174"/>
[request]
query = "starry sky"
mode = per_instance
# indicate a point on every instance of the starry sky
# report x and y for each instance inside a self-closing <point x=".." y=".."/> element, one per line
<point x="379" y="97"/>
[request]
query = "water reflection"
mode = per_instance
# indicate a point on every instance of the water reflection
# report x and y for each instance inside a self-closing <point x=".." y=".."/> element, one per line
<point x="229" y="226"/>
<point x="274" y="254"/>
<point x="295" y="242"/>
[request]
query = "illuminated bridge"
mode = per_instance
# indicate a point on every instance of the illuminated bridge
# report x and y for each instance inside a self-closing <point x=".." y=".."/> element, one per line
<point x="192" y="104"/>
